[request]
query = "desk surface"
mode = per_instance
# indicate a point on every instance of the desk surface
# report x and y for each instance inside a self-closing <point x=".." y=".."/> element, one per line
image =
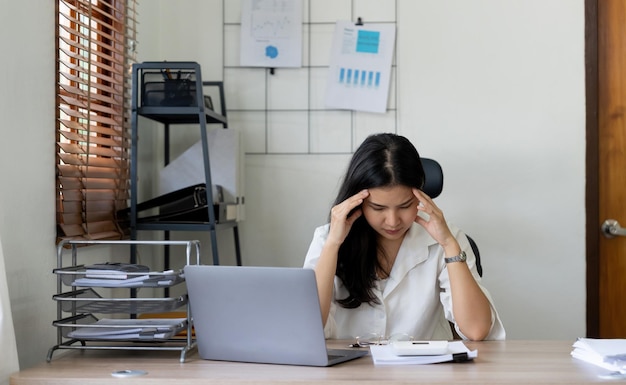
<point x="498" y="362"/>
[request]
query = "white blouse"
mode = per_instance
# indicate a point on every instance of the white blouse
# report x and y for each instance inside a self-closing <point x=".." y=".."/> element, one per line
<point x="414" y="300"/>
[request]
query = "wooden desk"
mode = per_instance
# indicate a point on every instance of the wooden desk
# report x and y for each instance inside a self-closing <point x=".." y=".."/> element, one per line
<point x="498" y="362"/>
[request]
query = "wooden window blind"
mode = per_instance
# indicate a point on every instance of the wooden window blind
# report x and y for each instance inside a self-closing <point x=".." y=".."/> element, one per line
<point x="95" y="49"/>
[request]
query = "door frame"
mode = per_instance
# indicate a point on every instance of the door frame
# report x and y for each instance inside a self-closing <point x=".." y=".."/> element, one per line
<point x="592" y="209"/>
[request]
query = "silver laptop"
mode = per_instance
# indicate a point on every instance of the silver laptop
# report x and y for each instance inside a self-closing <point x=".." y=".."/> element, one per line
<point x="259" y="314"/>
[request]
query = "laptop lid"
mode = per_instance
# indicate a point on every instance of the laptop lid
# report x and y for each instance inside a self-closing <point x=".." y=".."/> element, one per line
<point x="259" y="314"/>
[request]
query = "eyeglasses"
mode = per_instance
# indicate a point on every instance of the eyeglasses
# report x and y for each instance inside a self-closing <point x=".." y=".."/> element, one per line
<point x="378" y="339"/>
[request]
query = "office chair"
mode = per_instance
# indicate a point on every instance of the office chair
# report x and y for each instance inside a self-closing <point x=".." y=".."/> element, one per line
<point x="433" y="187"/>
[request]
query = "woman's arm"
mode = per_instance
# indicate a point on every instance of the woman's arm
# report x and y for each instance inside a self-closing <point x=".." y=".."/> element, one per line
<point x="341" y="220"/>
<point x="325" y="277"/>
<point x="471" y="308"/>
<point x="472" y="311"/>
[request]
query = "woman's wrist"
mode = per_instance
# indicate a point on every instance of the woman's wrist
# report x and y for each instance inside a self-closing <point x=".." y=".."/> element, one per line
<point x="451" y="248"/>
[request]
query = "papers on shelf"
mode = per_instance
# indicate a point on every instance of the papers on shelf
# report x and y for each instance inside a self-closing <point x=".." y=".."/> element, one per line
<point x="153" y="280"/>
<point x="457" y="352"/>
<point x="106" y="282"/>
<point x="607" y="353"/>
<point x="123" y="329"/>
<point x="110" y="270"/>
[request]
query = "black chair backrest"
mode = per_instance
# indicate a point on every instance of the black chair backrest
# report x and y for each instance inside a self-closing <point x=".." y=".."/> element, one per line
<point x="434" y="177"/>
<point x="433" y="186"/>
<point x="479" y="266"/>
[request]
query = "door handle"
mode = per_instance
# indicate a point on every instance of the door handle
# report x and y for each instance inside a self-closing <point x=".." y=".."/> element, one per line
<point x="611" y="228"/>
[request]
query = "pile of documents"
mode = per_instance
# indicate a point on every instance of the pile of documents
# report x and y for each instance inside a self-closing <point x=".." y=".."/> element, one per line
<point x="130" y="329"/>
<point x="114" y="270"/>
<point x="456" y="352"/>
<point x="606" y="353"/>
<point x="113" y="275"/>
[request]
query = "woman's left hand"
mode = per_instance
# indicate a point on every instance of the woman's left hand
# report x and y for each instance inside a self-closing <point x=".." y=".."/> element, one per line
<point x="435" y="223"/>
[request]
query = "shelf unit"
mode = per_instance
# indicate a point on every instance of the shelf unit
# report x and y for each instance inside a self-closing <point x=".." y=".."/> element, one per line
<point x="153" y="103"/>
<point x="78" y="324"/>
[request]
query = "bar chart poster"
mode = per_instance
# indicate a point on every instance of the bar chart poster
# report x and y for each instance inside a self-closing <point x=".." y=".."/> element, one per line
<point x="360" y="66"/>
<point x="271" y="33"/>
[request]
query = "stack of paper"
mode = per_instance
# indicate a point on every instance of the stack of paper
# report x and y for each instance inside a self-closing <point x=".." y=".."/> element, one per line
<point x="123" y="329"/>
<point x="113" y="275"/>
<point x="114" y="270"/>
<point x="457" y="352"/>
<point x="606" y="353"/>
<point x="106" y="282"/>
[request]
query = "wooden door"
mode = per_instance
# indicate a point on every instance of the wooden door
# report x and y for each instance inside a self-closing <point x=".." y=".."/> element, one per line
<point x="606" y="166"/>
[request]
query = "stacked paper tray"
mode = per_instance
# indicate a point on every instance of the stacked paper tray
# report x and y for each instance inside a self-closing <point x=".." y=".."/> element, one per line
<point x="75" y="276"/>
<point x="88" y="301"/>
<point x="88" y="327"/>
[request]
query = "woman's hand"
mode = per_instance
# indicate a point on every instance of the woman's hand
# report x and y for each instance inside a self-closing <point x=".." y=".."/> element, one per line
<point x="435" y="224"/>
<point x="470" y="305"/>
<point x="342" y="217"/>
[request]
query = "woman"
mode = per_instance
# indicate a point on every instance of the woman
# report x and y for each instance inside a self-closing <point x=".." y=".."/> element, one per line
<point x="388" y="263"/>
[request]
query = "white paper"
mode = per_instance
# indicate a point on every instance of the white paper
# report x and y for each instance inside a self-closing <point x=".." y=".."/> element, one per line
<point x="110" y="282"/>
<point x="360" y="66"/>
<point x="383" y="355"/>
<point x="130" y="328"/>
<point x="606" y="353"/>
<point x="271" y="33"/>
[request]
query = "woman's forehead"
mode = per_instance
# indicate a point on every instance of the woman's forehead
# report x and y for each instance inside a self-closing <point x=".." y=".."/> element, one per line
<point x="390" y="195"/>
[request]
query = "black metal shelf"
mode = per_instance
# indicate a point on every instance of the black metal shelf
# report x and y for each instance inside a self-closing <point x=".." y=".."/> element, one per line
<point x="186" y="226"/>
<point x="155" y="88"/>
<point x="180" y="115"/>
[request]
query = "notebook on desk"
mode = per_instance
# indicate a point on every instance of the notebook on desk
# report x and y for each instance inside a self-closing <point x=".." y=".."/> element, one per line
<point x="259" y="314"/>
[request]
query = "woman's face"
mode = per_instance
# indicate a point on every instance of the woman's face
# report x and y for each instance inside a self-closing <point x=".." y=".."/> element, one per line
<point x="390" y="210"/>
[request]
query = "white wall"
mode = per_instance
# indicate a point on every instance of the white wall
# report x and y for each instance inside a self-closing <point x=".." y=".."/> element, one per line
<point x="27" y="226"/>
<point x="493" y="89"/>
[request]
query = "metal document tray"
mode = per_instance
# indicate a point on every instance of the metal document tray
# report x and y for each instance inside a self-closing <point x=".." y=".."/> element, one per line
<point x="89" y="328"/>
<point x="88" y="301"/>
<point x="157" y="278"/>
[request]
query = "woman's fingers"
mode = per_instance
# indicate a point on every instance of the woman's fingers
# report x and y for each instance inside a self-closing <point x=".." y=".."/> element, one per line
<point x="344" y="214"/>
<point x="434" y="221"/>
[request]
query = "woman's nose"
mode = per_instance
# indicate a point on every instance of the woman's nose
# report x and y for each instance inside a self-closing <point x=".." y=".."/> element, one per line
<point x="392" y="218"/>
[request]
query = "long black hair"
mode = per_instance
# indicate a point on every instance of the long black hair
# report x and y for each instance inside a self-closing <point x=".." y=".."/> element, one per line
<point x="382" y="160"/>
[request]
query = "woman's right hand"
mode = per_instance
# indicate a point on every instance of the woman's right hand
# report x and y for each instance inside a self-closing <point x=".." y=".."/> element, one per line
<point x="342" y="216"/>
<point x="341" y="219"/>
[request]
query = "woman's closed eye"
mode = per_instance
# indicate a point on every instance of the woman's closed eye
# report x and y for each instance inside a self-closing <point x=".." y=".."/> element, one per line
<point x="404" y="206"/>
<point x="376" y="207"/>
